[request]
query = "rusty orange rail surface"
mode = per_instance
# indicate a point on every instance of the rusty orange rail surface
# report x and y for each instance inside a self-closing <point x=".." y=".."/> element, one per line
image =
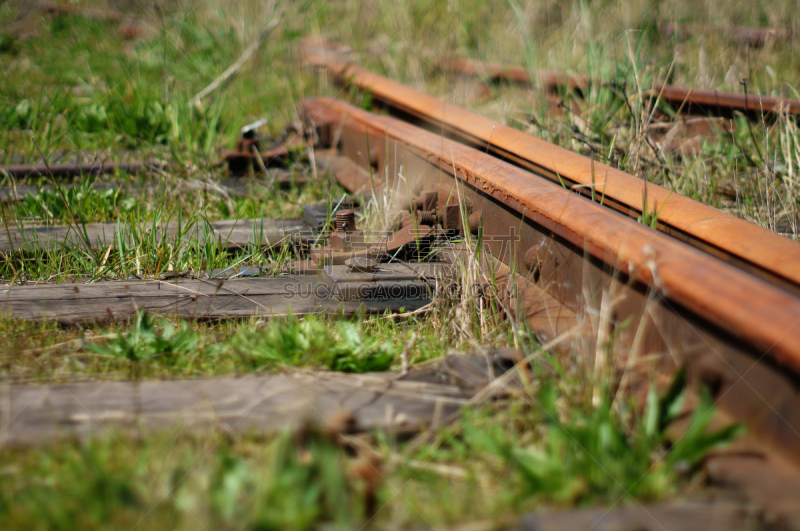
<point x="570" y="259"/>
<point x="750" y="36"/>
<point x="741" y="304"/>
<point x="758" y="250"/>
<point x="687" y="99"/>
<point x="705" y="100"/>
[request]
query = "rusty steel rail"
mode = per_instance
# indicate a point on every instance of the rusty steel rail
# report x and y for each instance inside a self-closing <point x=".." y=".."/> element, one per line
<point x="759" y="251"/>
<point x="748" y="36"/>
<point x="735" y="331"/>
<point x="690" y="278"/>
<point x="686" y="99"/>
<point x="706" y="101"/>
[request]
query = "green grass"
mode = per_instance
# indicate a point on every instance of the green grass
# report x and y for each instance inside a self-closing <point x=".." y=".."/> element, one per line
<point x="71" y="84"/>
<point x="572" y="458"/>
<point x="118" y="483"/>
<point x="491" y="463"/>
<point x="137" y="250"/>
<point x="152" y="347"/>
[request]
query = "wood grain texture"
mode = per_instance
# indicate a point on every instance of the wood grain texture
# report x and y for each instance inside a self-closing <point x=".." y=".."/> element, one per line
<point x="719" y="516"/>
<point x="37" y="414"/>
<point x="23" y="171"/>
<point x="232" y="234"/>
<point x="234" y="186"/>
<point x="72" y="304"/>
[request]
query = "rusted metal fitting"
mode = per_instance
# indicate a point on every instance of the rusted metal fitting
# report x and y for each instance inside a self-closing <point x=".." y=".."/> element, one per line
<point x="408" y="235"/>
<point x="532" y="261"/>
<point x="427" y="200"/>
<point x="346" y="234"/>
<point x="427" y="217"/>
<point x="475" y="219"/>
<point x="530" y="258"/>
<point x="248" y="155"/>
<point x="345" y="220"/>
<point x="240" y="160"/>
<point x="451" y="217"/>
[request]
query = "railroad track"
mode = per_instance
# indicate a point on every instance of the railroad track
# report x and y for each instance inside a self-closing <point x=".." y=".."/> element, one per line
<point x="686" y="100"/>
<point x="727" y="237"/>
<point x="563" y="244"/>
<point x="562" y="241"/>
<point x="567" y="251"/>
<point x="704" y="290"/>
<point x="745" y="35"/>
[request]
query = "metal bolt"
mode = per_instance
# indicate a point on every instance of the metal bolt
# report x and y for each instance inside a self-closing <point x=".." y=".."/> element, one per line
<point x="532" y="261"/>
<point x="427" y="217"/>
<point x="345" y="221"/>
<point x="475" y="219"/>
<point x="531" y="258"/>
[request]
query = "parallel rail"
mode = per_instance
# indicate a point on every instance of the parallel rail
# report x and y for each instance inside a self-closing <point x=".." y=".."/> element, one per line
<point x="687" y="99"/>
<point x="683" y="296"/>
<point x="566" y="254"/>
<point x="745" y="245"/>
<point x="748" y="36"/>
<point x="710" y="291"/>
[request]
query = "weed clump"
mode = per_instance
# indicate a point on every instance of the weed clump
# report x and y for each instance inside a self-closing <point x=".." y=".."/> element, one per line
<point x="145" y="341"/>
<point x="312" y="343"/>
<point x="592" y="455"/>
<point x="169" y="483"/>
<point x="548" y="454"/>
